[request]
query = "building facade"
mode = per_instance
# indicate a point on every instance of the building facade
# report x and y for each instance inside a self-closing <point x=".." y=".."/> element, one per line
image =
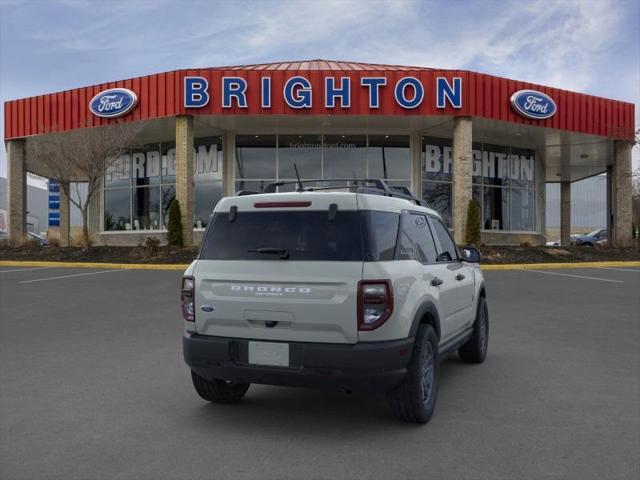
<point x="448" y="135"/>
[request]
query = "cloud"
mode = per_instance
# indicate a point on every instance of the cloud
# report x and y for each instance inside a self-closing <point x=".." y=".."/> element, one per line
<point x="583" y="45"/>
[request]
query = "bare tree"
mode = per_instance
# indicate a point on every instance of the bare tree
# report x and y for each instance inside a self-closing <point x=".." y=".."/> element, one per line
<point x="82" y="156"/>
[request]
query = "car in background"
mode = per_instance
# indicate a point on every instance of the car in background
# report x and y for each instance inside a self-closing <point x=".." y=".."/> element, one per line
<point x="40" y="239"/>
<point x="591" y="239"/>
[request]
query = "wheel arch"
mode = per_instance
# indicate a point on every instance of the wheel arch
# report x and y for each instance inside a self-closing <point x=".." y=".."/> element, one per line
<point x="426" y="314"/>
<point x="482" y="291"/>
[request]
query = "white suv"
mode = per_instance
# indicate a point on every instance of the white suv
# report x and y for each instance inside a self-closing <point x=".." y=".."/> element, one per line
<point x="357" y="287"/>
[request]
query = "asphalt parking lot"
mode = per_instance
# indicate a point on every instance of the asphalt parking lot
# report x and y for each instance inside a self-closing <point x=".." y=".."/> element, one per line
<point x="93" y="386"/>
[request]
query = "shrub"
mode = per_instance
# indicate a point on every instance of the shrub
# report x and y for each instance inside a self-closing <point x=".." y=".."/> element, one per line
<point x="472" y="235"/>
<point x="29" y="244"/>
<point x="54" y="242"/>
<point x="174" y="226"/>
<point x="152" y="246"/>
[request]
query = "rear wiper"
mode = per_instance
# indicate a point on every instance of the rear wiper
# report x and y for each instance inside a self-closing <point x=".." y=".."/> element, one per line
<point x="283" y="252"/>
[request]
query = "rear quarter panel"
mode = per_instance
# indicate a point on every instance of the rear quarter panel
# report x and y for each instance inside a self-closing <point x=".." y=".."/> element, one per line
<point x="410" y="290"/>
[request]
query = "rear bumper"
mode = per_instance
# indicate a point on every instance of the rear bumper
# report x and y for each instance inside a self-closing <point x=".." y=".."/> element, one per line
<point x="371" y="366"/>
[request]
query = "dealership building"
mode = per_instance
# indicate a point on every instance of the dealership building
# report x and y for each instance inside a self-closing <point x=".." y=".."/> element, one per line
<point x="448" y="135"/>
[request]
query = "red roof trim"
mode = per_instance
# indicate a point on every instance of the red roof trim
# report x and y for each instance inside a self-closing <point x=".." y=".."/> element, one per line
<point x="160" y="95"/>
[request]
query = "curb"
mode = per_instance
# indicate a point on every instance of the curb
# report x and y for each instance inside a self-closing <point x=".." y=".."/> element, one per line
<point x="124" y="266"/>
<point x="559" y="266"/>
<point x="166" y="266"/>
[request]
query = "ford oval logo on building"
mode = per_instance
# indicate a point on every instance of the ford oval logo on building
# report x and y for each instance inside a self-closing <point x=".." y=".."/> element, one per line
<point x="533" y="104"/>
<point x="114" y="102"/>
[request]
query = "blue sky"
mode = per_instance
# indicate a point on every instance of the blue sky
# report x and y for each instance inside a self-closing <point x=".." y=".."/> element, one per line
<point x="582" y="45"/>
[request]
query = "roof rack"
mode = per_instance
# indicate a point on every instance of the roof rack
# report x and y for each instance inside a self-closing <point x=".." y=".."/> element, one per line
<point x="372" y="186"/>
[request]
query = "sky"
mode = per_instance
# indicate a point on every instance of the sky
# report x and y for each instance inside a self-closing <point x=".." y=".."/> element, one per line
<point x="581" y="45"/>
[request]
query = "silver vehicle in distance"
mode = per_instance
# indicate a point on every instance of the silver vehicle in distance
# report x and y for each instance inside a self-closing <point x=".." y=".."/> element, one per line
<point x="351" y="286"/>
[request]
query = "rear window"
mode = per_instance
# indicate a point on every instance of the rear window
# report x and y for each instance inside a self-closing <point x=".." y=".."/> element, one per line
<point x="298" y="235"/>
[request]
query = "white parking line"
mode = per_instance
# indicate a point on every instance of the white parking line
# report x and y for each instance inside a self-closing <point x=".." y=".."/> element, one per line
<point x="577" y="276"/>
<point x="637" y="270"/>
<point x="24" y="269"/>
<point x="70" y="276"/>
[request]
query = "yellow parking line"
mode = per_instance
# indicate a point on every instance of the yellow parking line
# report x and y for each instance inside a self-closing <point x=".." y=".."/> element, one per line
<point x="131" y="266"/>
<point x="558" y="266"/>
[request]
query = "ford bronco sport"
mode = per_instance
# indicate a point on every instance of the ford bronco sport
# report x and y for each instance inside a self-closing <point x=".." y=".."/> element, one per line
<point x="358" y="287"/>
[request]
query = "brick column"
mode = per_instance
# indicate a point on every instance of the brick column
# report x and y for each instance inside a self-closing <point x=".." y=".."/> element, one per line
<point x="184" y="174"/>
<point x="415" y="145"/>
<point x="565" y="213"/>
<point x="610" y="203"/>
<point x="65" y="219"/>
<point x="16" y="191"/>
<point x="621" y="184"/>
<point x="228" y="164"/>
<point x="462" y="175"/>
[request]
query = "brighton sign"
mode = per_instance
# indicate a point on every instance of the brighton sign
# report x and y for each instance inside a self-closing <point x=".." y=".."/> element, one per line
<point x="408" y="92"/>
<point x="533" y="104"/>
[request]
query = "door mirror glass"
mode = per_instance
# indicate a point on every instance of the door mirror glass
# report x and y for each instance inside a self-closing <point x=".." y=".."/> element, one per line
<point x="444" y="257"/>
<point x="471" y="255"/>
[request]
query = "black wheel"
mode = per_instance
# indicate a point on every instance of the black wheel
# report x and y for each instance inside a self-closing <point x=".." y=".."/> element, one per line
<point x="219" y="391"/>
<point x="475" y="349"/>
<point x="415" y="398"/>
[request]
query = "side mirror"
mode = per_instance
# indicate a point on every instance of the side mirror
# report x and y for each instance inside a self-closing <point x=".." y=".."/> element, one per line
<point x="471" y="255"/>
<point x="444" y="257"/>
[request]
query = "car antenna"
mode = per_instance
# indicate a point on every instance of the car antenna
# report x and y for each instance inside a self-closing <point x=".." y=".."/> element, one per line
<point x="295" y="167"/>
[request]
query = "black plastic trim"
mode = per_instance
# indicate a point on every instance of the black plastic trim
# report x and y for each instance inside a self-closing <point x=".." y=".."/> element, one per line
<point x="364" y="366"/>
<point x="454" y="342"/>
<point x="430" y="308"/>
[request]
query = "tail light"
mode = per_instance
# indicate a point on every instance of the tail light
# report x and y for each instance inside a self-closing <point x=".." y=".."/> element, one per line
<point x="187" y="298"/>
<point x="375" y="303"/>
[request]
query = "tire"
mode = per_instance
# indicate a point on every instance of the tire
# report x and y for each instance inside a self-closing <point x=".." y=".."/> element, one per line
<point x="219" y="391"/>
<point x="475" y="349"/>
<point x="414" y="400"/>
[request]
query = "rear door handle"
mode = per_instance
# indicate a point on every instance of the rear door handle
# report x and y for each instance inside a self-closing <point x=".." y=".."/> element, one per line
<point x="460" y="277"/>
<point x="436" y="282"/>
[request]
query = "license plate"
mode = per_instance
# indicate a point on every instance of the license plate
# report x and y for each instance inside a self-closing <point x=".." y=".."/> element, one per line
<point x="269" y="353"/>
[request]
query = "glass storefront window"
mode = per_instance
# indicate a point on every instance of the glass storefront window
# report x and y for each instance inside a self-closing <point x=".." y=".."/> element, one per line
<point x="117" y="203"/>
<point x="522" y="167"/>
<point x="495" y="165"/>
<point x="344" y="156"/>
<point x="476" y="194"/>
<point x="437" y="162"/>
<point x="522" y="209"/>
<point x="328" y="157"/>
<point x="253" y="185"/>
<point x="168" y="194"/>
<point x="388" y="156"/>
<point x="207" y="178"/>
<point x="207" y="195"/>
<point x="438" y="197"/>
<point x="477" y="156"/>
<point x="145" y="165"/>
<point x="496" y="208"/>
<point x="498" y="172"/>
<point x="303" y="150"/>
<point x="146" y="208"/>
<point x="168" y="162"/>
<point x="118" y="174"/>
<point x="437" y="169"/>
<point x="255" y="156"/>
<point x="153" y="170"/>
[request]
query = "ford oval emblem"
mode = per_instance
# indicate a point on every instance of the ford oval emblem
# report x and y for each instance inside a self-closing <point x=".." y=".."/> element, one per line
<point x="207" y="308"/>
<point x="533" y="104"/>
<point x="114" y="102"/>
